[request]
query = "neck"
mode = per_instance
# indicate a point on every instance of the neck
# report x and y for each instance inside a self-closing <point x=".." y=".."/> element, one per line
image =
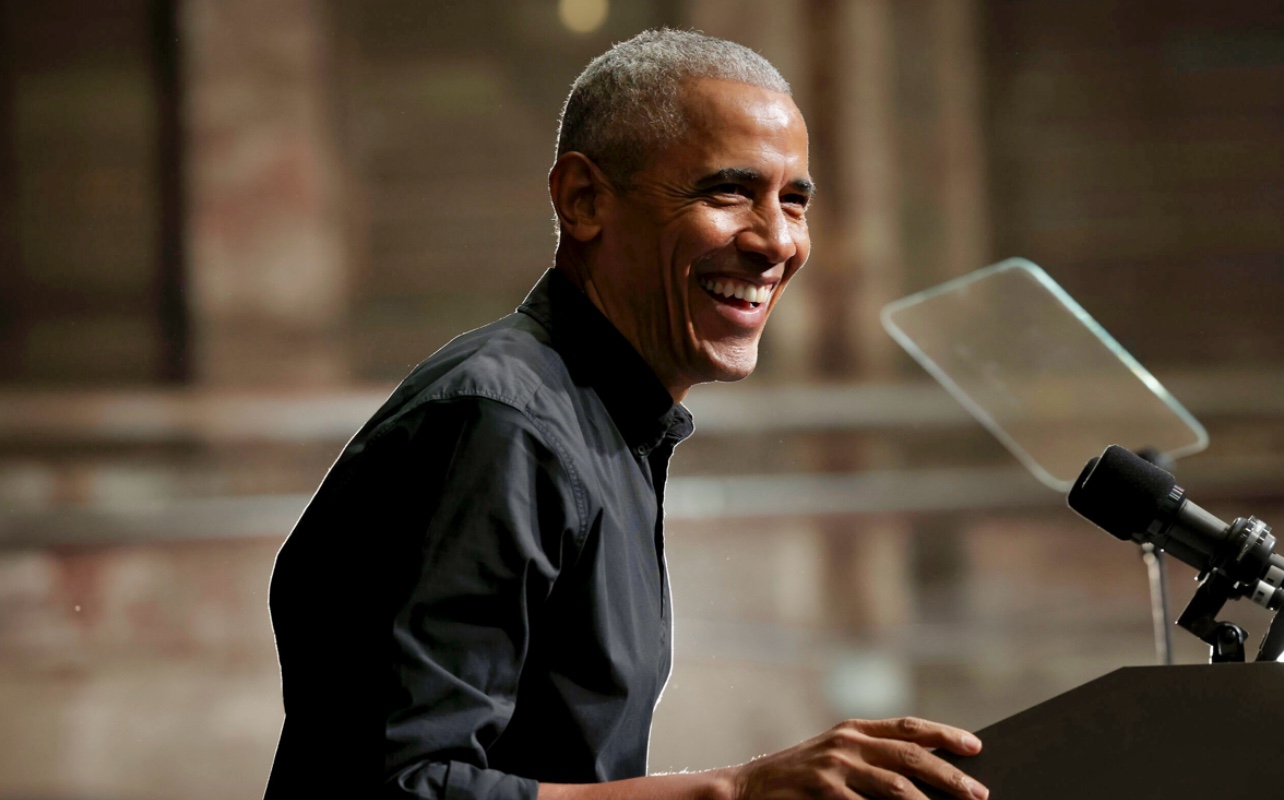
<point x="575" y="266"/>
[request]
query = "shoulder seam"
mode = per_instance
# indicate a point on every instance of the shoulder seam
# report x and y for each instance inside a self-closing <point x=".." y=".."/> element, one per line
<point x="517" y="404"/>
<point x="577" y="485"/>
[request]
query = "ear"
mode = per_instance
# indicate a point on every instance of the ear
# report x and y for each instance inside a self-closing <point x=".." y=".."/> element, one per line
<point x="578" y="189"/>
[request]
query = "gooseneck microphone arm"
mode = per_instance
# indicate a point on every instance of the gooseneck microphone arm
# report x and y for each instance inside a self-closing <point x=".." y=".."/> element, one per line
<point x="1134" y="500"/>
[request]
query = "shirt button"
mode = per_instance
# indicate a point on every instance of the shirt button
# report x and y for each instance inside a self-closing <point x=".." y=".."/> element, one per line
<point x="640" y="450"/>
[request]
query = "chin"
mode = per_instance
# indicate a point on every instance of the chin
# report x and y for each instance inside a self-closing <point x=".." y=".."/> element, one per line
<point x="731" y="367"/>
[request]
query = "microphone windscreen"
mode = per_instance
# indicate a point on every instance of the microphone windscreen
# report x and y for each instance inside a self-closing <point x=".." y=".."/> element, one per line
<point x="1121" y="492"/>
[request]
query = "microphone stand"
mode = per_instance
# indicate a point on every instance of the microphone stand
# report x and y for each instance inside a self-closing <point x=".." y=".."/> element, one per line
<point x="1158" y="576"/>
<point x="1154" y="560"/>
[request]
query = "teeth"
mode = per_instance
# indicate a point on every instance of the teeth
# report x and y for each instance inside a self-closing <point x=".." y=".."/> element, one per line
<point x="738" y="289"/>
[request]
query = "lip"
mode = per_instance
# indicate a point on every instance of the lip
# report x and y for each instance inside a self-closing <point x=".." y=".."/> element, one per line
<point x="747" y="318"/>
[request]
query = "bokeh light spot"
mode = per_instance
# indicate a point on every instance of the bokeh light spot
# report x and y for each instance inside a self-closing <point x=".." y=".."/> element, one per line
<point x="583" y="16"/>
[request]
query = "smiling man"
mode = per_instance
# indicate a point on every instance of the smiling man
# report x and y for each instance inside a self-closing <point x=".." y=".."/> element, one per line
<point x="475" y="604"/>
<point x="687" y="256"/>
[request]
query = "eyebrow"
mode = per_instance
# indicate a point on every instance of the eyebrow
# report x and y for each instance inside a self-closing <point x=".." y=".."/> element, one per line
<point x="746" y="175"/>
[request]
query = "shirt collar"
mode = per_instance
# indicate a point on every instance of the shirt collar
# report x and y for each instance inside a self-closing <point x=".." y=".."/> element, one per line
<point x="599" y="356"/>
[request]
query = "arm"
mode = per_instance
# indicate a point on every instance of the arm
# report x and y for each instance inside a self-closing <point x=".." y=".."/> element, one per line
<point x="496" y="511"/>
<point x="856" y="759"/>
<point x="403" y="602"/>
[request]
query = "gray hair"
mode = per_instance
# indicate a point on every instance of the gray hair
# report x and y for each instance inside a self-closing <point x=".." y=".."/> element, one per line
<point x="626" y="104"/>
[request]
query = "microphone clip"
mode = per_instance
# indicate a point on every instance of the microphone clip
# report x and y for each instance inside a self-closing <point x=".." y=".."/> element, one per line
<point x="1225" y="639"/>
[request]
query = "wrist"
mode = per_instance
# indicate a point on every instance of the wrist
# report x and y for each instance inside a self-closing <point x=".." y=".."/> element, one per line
<point x="723" y="784"/>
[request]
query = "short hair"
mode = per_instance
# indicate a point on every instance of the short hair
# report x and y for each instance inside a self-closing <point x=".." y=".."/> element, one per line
<point x="626" y="104"/>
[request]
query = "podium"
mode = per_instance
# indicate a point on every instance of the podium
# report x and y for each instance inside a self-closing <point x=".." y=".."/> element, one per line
<point x="1191" y="732"/>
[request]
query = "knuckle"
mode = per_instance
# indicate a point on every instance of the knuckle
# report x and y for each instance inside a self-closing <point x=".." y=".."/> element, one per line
<point x="911" y="725"/>
<point x="960" y="781"/>
<point x="896" y="787"/>
<point x="912" y="756"/>
<point x="831" y="761"/>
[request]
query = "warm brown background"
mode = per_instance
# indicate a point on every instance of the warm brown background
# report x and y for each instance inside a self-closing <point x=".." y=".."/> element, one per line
<point x="227" y="227"/>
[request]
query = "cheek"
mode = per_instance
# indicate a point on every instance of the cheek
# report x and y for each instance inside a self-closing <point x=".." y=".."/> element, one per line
<point x="802" y="240"/>
<point x="790" y="271"/>
<point x="709" y="231"/>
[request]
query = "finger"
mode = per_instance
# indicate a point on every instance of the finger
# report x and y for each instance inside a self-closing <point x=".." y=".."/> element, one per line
<point x="908" y="758"/>
<point x="883" y="784"/>
<point x="921" y="731"/>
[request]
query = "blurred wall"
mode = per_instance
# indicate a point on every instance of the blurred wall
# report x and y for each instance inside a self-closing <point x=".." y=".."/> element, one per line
<point x="228" y="228"/>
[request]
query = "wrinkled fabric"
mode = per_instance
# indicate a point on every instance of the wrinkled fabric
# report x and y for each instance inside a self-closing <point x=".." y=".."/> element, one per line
<point x="475" y="600"/>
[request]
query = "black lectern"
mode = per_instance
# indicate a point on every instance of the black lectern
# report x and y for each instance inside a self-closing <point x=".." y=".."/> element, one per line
<point x="1197" y="732"/>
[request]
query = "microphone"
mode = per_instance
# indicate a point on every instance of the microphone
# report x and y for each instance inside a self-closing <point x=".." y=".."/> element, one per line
<point x="1134" y="500"/>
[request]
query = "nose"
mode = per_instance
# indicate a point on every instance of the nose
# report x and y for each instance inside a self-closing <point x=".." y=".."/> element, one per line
<point x="770" y="235"/>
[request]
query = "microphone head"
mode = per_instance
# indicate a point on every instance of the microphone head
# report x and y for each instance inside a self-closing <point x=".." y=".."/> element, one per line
<point x="1121" y="492"/>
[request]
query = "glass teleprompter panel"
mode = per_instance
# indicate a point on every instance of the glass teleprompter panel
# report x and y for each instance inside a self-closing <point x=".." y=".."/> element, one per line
<point x="1030" y="364"/>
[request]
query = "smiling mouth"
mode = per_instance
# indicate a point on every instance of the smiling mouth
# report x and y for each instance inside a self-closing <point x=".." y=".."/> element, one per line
<point x="741" y="294"/>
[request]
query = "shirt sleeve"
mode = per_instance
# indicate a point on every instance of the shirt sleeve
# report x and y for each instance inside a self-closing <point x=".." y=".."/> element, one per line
<point x="499" y="518"/>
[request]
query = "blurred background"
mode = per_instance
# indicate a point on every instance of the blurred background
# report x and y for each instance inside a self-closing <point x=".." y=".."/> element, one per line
<point x="229" y="227"/>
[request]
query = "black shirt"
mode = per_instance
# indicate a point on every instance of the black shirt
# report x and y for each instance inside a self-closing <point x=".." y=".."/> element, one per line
<point x="476" y="597"/>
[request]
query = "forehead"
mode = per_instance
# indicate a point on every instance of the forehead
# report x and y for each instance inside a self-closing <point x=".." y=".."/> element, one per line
<point x="729" y="122"/>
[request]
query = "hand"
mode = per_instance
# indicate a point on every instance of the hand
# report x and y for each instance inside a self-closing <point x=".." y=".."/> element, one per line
<point x="863" y="760"/>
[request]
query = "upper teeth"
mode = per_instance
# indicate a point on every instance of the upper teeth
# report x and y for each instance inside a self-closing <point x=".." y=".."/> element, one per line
<point x="737" y="289"/>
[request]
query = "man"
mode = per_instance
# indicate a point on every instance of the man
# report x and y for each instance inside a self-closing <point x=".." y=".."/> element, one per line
<point x="475" y="603"/>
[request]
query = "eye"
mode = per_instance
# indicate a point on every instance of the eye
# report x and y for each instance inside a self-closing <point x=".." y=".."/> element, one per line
<point x="800" y="200"/>
<point x="731" y="188"/>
